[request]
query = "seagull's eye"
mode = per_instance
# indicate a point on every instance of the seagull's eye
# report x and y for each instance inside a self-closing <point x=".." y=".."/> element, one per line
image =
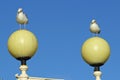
<point x="19" y="11"/>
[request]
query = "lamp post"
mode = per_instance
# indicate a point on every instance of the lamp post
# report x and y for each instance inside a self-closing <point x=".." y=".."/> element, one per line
<point x="22" y="45"/>
<point x="95" y="51"/>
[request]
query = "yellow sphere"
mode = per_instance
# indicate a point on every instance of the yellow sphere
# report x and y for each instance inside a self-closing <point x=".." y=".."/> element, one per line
<point x="95" y="51"/>
<point x="22" y="44"/>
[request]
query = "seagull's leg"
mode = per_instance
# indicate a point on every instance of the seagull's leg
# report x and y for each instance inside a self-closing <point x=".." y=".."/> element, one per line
<point x="93" y="34"/>
<point x="20" y="26"/>
<point x="96" y="34"/>
<point x="24" y="26"/>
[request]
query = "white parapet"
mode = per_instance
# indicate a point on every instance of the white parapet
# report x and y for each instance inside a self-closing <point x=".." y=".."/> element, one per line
<point x="38" y="78"/>
<point x="24" y="76"/>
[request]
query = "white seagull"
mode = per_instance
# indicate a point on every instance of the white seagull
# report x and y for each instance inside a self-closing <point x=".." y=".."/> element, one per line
<point x="21" y="17"/>
<point x="94" y="27"/>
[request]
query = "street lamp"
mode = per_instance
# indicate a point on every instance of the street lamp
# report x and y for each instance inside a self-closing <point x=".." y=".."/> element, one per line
<point x="95" y="51"/>
<point x="22" y="45"/>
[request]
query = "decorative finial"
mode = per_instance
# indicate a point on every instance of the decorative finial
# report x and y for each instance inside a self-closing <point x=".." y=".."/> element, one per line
<point x="94" y="27"/>
<point x="97" y="75"/>
<point x="23" y="75"/>
<point x="21" y="17"/>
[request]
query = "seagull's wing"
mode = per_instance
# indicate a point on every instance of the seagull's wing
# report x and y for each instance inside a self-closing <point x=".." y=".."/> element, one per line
<point x="94" y="28"/>
<point x="26" y="18"/>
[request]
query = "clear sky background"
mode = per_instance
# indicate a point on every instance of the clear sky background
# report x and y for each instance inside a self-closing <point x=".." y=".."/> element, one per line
<point x="61" y="27"/>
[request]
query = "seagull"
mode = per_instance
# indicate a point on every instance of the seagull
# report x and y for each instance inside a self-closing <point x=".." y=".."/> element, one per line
<point x="21" y="17"/>
<point x="94" y="27"/>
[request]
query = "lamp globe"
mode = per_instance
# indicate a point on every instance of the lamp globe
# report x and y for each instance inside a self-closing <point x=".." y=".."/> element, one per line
<point x="95" y="51"/>
<point x="22" y="45"/>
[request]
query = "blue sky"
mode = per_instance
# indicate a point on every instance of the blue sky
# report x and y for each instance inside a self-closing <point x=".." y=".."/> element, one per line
<point x="61" y="27"/>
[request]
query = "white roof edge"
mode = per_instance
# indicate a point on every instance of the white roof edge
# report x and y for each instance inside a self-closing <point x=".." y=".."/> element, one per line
<point x="40" y="78"/>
